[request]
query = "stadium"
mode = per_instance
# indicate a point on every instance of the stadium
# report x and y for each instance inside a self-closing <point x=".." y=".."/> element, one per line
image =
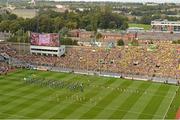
<point x="44" y="79"/>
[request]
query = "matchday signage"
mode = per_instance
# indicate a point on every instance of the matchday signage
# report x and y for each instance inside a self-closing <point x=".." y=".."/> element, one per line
<point x="49" y="39"/>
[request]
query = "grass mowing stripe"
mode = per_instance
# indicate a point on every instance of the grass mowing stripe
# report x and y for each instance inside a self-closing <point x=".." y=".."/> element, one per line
<point x="56" y="104"/>
<point x="34" y="99"/>
<point x="42" y="98"/>
<point x="129" y="102"/>
<point x="30" y="105"/>
<point x="12" y="104"/>
<point x="94" y="111"/>
<point x="9" y="89"/>
<point x="40" y="109"/>
<point x="166" y="103"/>
<point x="9" y="81"/>
<point x="58" y="107"/>
<point x="16" y="102"/>
<point x="155" y="102"/>
<point x="16" y="74"/>
<point x="6" y="83"/>
<point x="72" y="107"/>
<point x="22" y="103"/>
<point x="45" y="108"/>
<point x="86" y="103"/>
<point x="27" y="87"/>
<point x="30" y="96"/>
<point x="121" y="96"/>
<point x="5" y="115"/>
<point x="174" y="106"/>
<point x="35" y="88"/>
<point x="139" y="105"/>
<point x="18" y="92"/>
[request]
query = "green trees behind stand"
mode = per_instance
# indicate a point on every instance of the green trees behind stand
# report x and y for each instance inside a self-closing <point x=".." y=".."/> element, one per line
<point x="176" y="42"/>
<point x="68" y="41"/>
<point x="120" y="42"/>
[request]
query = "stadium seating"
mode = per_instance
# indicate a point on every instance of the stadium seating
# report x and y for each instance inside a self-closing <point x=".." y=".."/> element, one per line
<point x="163" y="61"/>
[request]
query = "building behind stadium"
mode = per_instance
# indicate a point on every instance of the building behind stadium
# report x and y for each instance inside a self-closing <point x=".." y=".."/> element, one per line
<point x="165" y="25"/>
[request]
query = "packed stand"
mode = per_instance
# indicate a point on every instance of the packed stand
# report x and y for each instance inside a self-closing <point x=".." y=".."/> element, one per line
<point x="162" y="61"/>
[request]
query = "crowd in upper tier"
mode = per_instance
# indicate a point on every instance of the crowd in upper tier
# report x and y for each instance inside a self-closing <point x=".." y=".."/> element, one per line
<point x="161" y="60"/>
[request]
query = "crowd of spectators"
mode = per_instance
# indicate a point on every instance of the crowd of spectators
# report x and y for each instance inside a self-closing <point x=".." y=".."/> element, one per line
<point x="162" y="61"/>
<point x="4" y="68"/>
<point x="5" y="51"/>
<point x="6" y="48"/>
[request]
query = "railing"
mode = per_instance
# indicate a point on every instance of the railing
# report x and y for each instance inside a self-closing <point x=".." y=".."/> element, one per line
<point x="167" y="80"/>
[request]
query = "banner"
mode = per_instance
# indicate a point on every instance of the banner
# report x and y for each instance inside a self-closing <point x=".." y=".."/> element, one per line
<point x="49" y="39"/>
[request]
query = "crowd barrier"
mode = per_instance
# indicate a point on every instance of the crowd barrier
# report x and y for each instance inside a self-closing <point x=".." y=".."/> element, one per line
<point x="17" y="63"/>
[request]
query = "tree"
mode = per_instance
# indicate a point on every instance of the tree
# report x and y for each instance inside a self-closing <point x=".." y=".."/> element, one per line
<point x="64" y="31"/>
<point x="1" y="18"/>
<point x="134" y="42"/>
<point x="4" y="25"/>
<point x="98" y="36"/>
<point x="49" y="21"/>
<point x="120" y="42"/>
<point x="45" y="23"/>
<point x="124" y="26"/>
<point x="58" y="24"/>
<point x="112" y="20"/>
<point x="88" y="28"/>
<point x="15" y="26"/>
<point x="176" y="42"/>
<point x="71" y="25"/>
<point x="12" y="17"/>
<point x="19" y="36"/>
<point x="94" y="21"/>
<point x="112" y="24"/>
<point x="68" y="41"/>
<point x="145" y="20"/>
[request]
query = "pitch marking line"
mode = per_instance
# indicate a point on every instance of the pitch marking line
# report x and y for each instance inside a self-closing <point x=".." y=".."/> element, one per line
<point x="18" y="116"/>
<point x="170" y="103"/>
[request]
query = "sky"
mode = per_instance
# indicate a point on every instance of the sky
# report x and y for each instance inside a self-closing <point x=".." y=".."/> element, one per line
<point x="142" y="1"/>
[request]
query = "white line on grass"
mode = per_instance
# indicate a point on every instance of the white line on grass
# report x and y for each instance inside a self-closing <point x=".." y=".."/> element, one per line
<point x="11" y="115"/>
<point x="46" y="100"/>
<point x="170" y="103"/>
<point x="83" y="104"/>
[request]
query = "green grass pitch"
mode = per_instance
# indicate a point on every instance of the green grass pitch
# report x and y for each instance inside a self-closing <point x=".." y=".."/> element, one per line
<point x="146" y="27"/>
<point x="104" y="98"/>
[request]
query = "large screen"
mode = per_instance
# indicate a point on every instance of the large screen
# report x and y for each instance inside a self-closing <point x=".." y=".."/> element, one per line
<point x="49" y="39"/>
